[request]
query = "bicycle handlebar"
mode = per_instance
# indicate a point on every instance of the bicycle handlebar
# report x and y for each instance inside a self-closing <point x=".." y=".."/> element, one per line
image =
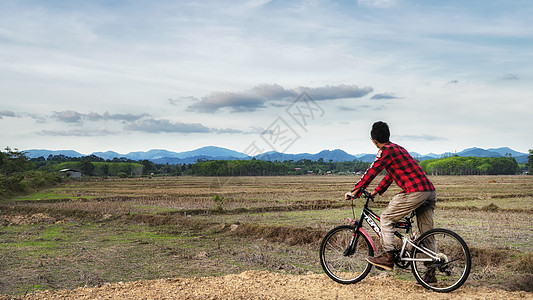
<point x="366" y="193"/>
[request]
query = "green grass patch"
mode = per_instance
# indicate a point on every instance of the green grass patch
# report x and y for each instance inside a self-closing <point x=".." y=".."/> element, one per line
<point x="46" y="195"/>
<point x="151" y="209"/>
<point x="52" y="195"/>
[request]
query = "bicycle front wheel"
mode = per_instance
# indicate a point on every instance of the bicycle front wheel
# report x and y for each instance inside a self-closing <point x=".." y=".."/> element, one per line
<point x="345" y="267"/>
<point x="452" y="266"/>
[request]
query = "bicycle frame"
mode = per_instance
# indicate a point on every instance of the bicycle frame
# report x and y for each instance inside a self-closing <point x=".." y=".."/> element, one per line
<point x="369" y="216"/>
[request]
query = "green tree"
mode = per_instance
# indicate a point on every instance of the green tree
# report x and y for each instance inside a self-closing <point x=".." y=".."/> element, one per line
<point x="485" y="168"/>
<point x="105" y="170"/>
<point x="13" y="161"/>
<point x="87" y="167"/>
<point x="15" y="174"/>
<point x="148" y="167"/>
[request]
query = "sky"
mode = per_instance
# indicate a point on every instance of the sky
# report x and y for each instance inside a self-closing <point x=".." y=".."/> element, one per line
<point x="259" y="75"/>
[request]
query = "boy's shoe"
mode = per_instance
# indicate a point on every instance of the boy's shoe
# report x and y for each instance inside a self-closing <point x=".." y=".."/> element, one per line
<point x="385" y="261"/>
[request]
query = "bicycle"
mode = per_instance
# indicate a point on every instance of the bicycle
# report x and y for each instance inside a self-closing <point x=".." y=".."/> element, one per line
<point x="344" y="249"/>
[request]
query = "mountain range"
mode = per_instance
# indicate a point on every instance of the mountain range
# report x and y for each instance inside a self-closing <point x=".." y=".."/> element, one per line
<point x="217" y="153"/>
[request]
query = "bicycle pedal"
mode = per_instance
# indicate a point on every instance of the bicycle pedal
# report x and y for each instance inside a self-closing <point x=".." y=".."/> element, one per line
<point x="379" y="268"/>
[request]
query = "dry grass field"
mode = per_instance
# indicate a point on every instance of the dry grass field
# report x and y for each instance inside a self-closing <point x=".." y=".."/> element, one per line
<point x="98" y="231"/>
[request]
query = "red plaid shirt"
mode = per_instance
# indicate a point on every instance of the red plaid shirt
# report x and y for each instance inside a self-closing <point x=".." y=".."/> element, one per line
<point x="401" y="167"/>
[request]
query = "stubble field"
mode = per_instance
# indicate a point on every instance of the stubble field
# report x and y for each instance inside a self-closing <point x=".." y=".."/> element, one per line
<point x="90" y="233"/>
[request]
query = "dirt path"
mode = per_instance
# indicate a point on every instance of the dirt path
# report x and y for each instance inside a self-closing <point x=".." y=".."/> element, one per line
<point x="268" y="285"/>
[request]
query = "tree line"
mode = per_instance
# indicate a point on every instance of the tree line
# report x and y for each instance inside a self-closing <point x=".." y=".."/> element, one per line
<point x="18" y="173"/>
<point x="471" y="166"/>
<point x="93" y="165"/>
<point x="96" y="166"/>
<point x="268" y="168"/>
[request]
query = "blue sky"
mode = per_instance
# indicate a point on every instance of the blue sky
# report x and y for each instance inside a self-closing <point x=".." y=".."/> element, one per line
<point x="292" y="76"/>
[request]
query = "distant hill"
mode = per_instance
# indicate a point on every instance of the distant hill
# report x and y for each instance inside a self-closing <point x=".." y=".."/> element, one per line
<point x="333" y="155"/>
<point x="278" y="156"/>
<point x="213" y="152"/>
<point x="155" y="155"/>
<point x="35" y="153"/>
<point x="204" y="153"/>
<point x="498" y="152"/>
<point x="422" y="157"/>
<point x="151" y="154"/>
<point x="367" y="157"/>
<point x="327" y="155"/>
<point x="108" y="154"/>
<point x="521" y="159"/>
<point x="506" y="150"/>
<point x="162" y="156"/>
<point x="478" y="152"/>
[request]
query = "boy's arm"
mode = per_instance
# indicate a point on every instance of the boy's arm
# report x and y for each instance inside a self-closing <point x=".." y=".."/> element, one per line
<point x="377" y="166"/>
<point x="384" y="184"/>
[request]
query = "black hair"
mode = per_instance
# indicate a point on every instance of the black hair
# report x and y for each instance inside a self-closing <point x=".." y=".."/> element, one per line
<point x="380" y="132"/>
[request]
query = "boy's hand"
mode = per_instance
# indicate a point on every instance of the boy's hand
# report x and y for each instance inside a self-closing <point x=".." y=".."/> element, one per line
<point x="351" y="195"/>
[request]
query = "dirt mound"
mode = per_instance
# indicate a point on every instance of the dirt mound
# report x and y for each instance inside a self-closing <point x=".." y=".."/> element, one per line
<point x="268" y="285"/>
<point x="11" y="220"/>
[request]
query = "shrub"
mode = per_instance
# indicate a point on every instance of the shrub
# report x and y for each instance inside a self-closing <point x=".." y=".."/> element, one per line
<point x="37" y="179"/>
<point x="525" y="263"/>
<point x="218" y="203"/>
<point x="28" y="181"/>
<point x="12" y="183"/>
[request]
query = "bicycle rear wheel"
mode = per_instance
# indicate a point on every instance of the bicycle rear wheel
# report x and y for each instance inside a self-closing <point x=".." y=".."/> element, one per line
<point x="343" y="268"/>
<point x="451" y="269"/>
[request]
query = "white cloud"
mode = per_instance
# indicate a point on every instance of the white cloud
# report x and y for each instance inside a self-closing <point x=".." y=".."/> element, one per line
<point x="68" y="116"/>
<point x="258" y="96"/>
<point x="84" y="132"/>
<point x="159" y="126"/>
<point x="419" y="137"/>
<point x="7" y="113"/>
<point x="384" y="96"/>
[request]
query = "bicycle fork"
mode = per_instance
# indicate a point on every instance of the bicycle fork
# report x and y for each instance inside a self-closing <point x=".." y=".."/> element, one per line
<point x="358" y="230"/>
<point x="353" y="244"/>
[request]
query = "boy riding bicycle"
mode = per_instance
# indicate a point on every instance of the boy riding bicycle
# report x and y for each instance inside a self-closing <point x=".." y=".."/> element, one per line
<point x="416" y="190"/>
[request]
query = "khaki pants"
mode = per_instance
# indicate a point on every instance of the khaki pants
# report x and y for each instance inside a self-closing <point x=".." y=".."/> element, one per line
<point x="400" y="206"/>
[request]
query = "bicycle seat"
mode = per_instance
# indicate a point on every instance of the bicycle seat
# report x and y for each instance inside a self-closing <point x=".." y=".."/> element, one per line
<point x="405" y="222"/>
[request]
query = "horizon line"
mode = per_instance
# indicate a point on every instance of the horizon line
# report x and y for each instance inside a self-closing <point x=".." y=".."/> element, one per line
<point x="299" y="153"/>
